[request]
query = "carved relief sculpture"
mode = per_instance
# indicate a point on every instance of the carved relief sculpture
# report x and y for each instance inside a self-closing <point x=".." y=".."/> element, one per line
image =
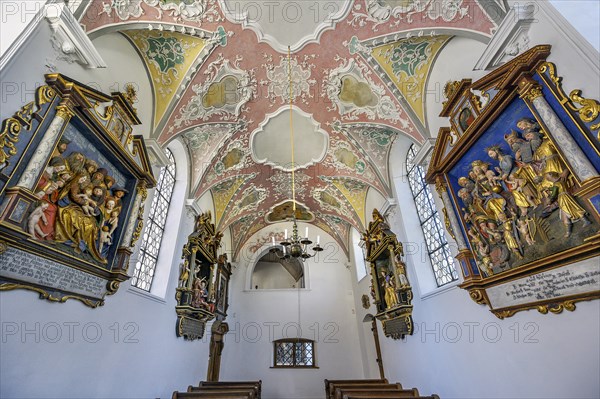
<point x="65" y="191"/>
<point x="522" y="177"/>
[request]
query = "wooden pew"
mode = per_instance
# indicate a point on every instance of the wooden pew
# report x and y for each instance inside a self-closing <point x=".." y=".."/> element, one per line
<point x="336" y="389"/>
<point x="245" y="384"/>
<point x="376" y="396"/>
<point x="391" y="392"/>
<point x="226" y="388"/>
<point x="249" y="393"/>
<point x="205" y="395"/>
<point x="365" y="381"/>
<point x="330" y="384"/>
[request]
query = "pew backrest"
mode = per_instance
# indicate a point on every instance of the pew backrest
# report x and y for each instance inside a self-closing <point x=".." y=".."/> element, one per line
<point x="377" y="396"/>
<point x="204" y="395"/>
<point x="202" y="388"/>
<point x="249" y="393"/>
<point x="335" y="387"/>
<point x="328" y="391"/>
<point x="387" y="393"/>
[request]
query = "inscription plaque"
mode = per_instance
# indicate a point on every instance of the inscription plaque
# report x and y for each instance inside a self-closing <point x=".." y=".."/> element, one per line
<point x="23" y="266"/>
<point x="566" y="281"/>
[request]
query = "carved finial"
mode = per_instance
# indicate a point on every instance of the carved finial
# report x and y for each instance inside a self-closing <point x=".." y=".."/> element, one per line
<point x="130" y="93"/>
<point x="450" y="88"/>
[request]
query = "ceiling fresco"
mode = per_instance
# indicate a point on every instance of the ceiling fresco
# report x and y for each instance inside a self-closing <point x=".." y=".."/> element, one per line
<point x="168" y="57"/>
<point x="219" y="73"/>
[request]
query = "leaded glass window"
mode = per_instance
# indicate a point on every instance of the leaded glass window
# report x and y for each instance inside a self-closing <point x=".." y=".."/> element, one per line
<point x="435" y="239"/>
<point x="143" y="273"/>
<point x="294" y="353"/>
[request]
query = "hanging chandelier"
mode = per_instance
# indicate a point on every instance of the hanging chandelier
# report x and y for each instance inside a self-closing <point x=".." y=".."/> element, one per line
<point x="294" y="246"/>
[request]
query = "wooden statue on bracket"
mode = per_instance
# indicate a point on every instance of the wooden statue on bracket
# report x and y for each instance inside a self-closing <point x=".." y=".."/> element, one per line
<point x="203" y="280"/>
<point x="391" y="290"/>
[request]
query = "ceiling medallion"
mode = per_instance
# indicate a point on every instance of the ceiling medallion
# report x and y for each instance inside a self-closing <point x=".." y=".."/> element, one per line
<point x="296" y="246"/>
<point x="280" y="23"/>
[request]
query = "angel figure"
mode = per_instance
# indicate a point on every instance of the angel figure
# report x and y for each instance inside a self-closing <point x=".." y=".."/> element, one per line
<point x="105" y="238"/>
<point x="524" y="231"/>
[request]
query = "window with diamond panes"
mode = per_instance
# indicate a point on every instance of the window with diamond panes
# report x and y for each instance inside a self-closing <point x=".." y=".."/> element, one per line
<point x="433" y="230"/>
<point x="143" y="273"/>
<point x="294" y="353"/>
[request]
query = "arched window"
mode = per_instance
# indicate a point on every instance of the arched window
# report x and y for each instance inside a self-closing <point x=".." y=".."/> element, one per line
<point x="143" y="273"/>
<point x="435" y="239"/>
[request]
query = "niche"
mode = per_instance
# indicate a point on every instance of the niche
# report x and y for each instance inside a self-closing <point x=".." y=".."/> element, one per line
<point x="271" y="272"/>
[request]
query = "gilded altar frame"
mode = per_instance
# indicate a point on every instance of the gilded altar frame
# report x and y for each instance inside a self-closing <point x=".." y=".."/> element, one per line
<point x="520" y="184"/>
<point x="68" y="131"/>
<point x="390" y="288"/>
<point x="202" y="294"/>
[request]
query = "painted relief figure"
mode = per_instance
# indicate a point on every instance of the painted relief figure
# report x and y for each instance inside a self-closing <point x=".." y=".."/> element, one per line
<point x="78" y="206"/>
<point x="389" y="288"/>
<point x="518" y="203"/>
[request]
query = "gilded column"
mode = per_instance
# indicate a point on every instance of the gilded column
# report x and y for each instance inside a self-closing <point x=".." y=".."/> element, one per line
<point x="190" y="282"/>
<point x="136" y="219"/>
<point x="582" y="167"/>
<point x="37" y="162"/>
<point x="450" y="219"/>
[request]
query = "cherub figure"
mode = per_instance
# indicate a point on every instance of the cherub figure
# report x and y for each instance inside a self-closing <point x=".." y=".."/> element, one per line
<point x="524" y="232"/>
<point x="33" y="223"/>
<point x="105" y="239"/>
<point x="113" y="221"/>
<point x="493" y="180"/>
<point x="88" y="204"/>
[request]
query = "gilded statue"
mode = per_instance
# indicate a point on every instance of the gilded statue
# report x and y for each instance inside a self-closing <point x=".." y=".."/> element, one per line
<point x="390" y="296"/>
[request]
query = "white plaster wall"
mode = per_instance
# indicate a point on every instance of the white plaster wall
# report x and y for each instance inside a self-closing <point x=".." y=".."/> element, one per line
<point x="362" y="287"/>
<point x="15" y="17"/>
<point x="578" y="62"/>
<point x="459" y="348"/>
<point x="126" y="348"/>
<point x="325" y="313"/>
<point x="374" y="201"/>
<point x="124" y="67"/>
<point x="272" y="275"/>
<point x="453" y="69"/>
<point x="586" y="22"/>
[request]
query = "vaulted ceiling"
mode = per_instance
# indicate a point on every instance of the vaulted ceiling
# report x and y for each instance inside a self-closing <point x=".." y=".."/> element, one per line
<point x="219" y="74"/>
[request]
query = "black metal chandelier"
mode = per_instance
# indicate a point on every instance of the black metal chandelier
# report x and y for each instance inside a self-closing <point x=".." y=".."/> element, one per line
<point x="295" y="246"/>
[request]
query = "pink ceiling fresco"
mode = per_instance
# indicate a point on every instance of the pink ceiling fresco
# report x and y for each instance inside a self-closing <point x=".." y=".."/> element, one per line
<point x="217" y="127"/>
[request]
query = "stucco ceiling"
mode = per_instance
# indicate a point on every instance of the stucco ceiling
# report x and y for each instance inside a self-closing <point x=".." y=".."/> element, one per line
<point x="219" y="72"/>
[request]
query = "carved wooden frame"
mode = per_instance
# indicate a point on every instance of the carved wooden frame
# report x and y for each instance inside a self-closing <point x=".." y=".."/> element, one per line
<point x="528" y="77"/>
<point x="27" y="142"/>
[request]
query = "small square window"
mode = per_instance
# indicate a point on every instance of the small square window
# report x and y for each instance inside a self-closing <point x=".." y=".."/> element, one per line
<point x="290" y="353"/>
